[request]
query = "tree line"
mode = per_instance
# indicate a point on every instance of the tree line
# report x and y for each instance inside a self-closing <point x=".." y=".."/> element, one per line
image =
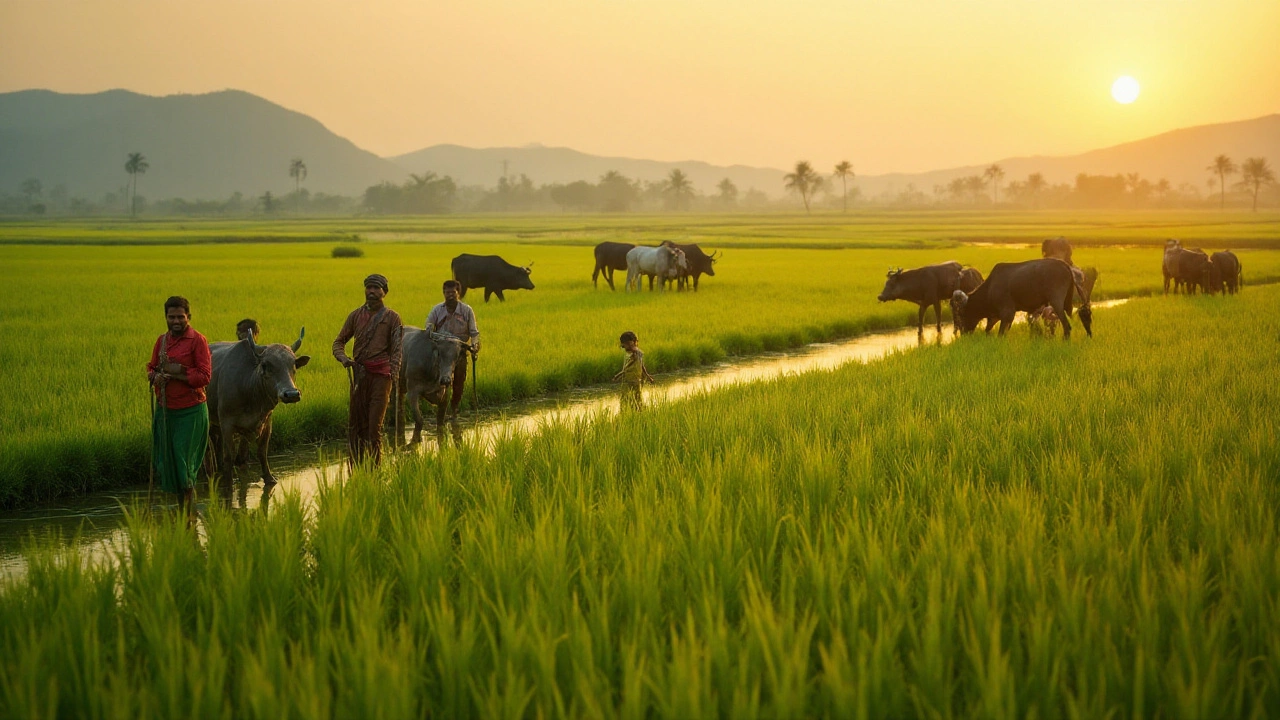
<point x="429" y="193"/>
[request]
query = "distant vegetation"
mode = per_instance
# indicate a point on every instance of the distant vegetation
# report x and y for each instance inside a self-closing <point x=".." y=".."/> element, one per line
<point x="347" y="251"/>
<point x="429" y="193"/>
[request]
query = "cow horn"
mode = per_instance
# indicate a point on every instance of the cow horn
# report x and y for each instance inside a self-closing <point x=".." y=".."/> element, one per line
<point x="297" y="344"/>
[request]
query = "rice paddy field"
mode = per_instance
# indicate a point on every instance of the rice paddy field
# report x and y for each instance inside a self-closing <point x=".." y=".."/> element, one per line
<point x="79" y="319"/>
<point x="997" y="527"/>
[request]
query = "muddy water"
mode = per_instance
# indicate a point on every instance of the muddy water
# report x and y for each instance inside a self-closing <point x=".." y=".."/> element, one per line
<point x="98" y="518"/>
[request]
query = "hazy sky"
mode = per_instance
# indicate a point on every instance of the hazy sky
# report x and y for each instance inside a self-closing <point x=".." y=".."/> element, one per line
<point x="892" y="85"/>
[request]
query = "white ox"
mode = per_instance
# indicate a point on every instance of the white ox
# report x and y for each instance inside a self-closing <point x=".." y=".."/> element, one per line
<point x="664" y="262"/>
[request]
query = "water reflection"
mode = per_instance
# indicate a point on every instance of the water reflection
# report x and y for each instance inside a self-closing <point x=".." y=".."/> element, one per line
<point x="98" y="517"/>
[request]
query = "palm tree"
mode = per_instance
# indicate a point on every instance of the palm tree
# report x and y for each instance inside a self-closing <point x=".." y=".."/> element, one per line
<point x="1163" y="188"/>
<point x="994" y="175"/>
<point x="297" y="171"/>
<point x="728" y="192"/>
<point x="679" y="186"/>
<point x="136" y="165"/>
<point x="1223" y="166"/>
<point x="1035" y="186"/>
<point x="844" y="171"/>
<point x="804" y="181"/>
<point x="1254" y="174"/>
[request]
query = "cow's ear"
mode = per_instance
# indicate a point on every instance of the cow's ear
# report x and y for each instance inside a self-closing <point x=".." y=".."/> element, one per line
<point x="301" y="361"/>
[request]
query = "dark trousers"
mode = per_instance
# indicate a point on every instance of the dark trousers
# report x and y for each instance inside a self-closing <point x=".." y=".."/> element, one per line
<point x="459" y="381"/>
<point x="364" y="421"/>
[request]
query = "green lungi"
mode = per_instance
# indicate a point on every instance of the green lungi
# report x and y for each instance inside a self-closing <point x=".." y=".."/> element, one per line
<point x="178" y="441"/>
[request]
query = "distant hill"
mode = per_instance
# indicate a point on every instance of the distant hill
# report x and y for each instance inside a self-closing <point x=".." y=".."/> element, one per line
<point x="544" y="165"/>
<point x="199" y="146"/>
<point x="1178" y="155"/>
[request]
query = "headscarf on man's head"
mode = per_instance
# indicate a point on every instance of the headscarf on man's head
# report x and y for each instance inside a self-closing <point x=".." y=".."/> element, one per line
<point x="379" y="281"/>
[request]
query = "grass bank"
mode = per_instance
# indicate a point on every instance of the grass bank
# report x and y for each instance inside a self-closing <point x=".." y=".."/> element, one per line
<point x="998" y="527"/>
<point x="82" y="319"/>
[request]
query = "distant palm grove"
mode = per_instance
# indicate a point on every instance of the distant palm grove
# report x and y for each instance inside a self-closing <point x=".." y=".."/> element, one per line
<point x="1246" y="185"/>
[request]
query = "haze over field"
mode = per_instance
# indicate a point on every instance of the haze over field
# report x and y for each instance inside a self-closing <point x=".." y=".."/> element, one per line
<point x="906" y="86"/>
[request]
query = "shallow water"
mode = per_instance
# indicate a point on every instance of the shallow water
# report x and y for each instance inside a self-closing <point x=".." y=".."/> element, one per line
<point x="98" y="517"/>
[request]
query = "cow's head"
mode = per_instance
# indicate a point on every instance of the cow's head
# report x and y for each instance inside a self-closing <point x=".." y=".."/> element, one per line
<point x="892" y="286"/>
<point x="711" y="260"/>
<point x="522" y="278"/>
<point x="276" y="365"/>
<point x="440" y="373"/>
<point x="959" y="318"/>
<point x="1171" y="244"/>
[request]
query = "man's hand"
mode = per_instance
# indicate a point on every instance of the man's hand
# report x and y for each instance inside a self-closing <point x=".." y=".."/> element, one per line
<point x="348" y="363"/>
<point x="173" y="368"/>
<point x="158" y="379"/>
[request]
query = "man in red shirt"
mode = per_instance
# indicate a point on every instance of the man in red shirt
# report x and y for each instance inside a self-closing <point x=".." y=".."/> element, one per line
<point x="179" y="370"/>
<point x="377" y="331"/>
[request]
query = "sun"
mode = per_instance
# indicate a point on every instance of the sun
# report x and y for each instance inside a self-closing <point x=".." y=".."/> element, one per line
<point x="1125" y="89"/>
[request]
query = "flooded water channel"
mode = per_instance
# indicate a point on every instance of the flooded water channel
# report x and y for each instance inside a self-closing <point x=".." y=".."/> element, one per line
<point x="98" y="518"/>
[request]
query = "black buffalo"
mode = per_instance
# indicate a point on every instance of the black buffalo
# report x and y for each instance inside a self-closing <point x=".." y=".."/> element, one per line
<point x="924" y="286"/>
<point x="610" y="256"/>
<point x="1027" y="287"/>
<point x="1192" y="271"/>
<point x="247" y="383"/>
<point x="491" y="273"/>
<point x="700" y="264"/>
<point x="1224" y="272"/>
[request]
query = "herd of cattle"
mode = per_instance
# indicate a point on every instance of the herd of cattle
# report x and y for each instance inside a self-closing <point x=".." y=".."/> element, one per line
<point x="249" y="380"/>
<point x="1042" y="288"/>
<point x="1191" y="268"/>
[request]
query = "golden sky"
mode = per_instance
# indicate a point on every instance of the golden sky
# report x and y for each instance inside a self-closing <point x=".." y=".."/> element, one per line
<point x="892" y="85"/>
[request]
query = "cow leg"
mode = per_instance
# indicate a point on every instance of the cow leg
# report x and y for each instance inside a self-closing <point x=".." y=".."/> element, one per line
<point x="415" y="402"/>
<point x="937" y="314"/>
<point x="695" y="281"/>
<point x="264" y="440"/>
<point x="920" y="319"/>
<point x="1059" y="310"/>
<point x="608" y="277"/>
<point x="227" y="455"/>
<point x="487" y="294"/>
<point x="462" y="290"/>
<point x="1006" y="321"/>
<point x="594" y="275"/>
<point x="1166" y="283"/>
<point x="501" y="297"/>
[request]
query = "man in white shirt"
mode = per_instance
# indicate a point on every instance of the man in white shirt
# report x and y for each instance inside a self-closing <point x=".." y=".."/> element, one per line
<point x="457" y="319"/>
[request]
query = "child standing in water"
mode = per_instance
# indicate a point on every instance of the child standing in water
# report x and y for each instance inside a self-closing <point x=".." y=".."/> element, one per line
<point x="633" y="372"/>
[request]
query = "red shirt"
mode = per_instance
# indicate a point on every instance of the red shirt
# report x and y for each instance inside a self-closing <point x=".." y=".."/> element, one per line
<point x="191" y="351"/>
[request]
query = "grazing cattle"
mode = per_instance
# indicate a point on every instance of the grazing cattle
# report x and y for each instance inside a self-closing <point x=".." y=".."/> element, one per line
<point x="1224" y="273"/>
<point x="1027" y="287"/>
<point x="610" y="256"/>
<point x="664" y="262"/>
<point x="1057" y="248"/>
<point x="700" y="264"/>
<point x="426" y="372"/>
<point x="1172" y="250"/>
<point x="924" y="286"/>
<point x="1193" y="270"/>
<point x="247" y="383"/>
<point x="491" y="273"/>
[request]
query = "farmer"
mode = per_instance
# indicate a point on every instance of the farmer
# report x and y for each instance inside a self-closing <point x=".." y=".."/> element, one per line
<point x="247" y="327"/>
<point x="179" y="371"/>
<point x="456" y="318"/>
<point x="377" y="330"/>
<point x="633" y="372"/>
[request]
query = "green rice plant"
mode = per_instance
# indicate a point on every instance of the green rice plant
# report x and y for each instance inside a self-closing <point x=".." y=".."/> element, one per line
<point x="75" y="406"/>
<point x="1002" y="527"/>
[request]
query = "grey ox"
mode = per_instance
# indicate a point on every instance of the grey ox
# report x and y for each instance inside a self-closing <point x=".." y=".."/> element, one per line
<point x="426" y="371"/>
<point x="248" y="381"/>
<point x="664" y="262"/>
